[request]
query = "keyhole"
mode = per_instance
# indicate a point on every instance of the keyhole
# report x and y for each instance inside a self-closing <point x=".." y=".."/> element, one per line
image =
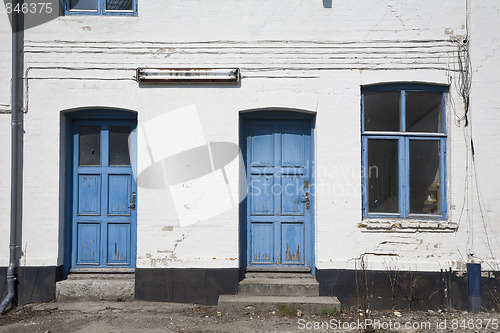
<point x="92" y="151"/>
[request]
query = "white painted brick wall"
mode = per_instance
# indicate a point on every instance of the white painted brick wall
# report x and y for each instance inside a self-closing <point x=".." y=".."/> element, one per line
<point x="485" y="120"/>
<point x="295" y="54"/>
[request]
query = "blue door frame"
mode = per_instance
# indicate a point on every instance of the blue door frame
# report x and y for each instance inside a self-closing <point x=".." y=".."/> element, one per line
<point x="102" y="216"/>
<point x="278" y="219"/>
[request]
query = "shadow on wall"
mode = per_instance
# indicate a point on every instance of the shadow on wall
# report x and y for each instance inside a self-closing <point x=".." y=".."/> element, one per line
<point x="421" y="291"/>
<point x="34" y="284"/>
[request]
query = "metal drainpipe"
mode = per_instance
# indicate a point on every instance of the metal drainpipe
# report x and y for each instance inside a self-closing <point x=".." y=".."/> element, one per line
<point x="16" y="104"/>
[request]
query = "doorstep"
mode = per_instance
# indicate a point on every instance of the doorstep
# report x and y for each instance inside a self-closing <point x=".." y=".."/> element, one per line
<point x="278" y="291"/>
<point x="97" y="286"/>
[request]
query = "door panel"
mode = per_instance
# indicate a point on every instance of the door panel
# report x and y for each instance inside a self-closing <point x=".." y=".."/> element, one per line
<point x="262" y="143"/>
<point x="118" y="243"/>
<point x="262" y="197"/>
<point x="119" y="194"/>
<point x="292" y="146"/>
<point x="292" y="194"/>
<point x="262" y="243"/>
<point x="104" y="216"/>
<point x="88" y="246"/>
<point x="279" y="219"/>
<point x="89" y="194"/>
<point x="292" y="245"/>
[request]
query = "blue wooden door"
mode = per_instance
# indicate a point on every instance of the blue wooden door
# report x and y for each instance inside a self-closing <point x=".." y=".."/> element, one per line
<point x="279" y="201"/>
<point x="104" y="194"/>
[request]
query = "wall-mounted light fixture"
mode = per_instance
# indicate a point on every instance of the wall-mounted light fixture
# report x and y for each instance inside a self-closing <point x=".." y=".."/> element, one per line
<point x="188" y="75"/>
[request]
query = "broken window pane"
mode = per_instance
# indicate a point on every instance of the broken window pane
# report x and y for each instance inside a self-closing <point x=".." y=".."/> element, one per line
<point x="383" y="176"/>
<point x="382" y="111"/>
<point x="424" y="111"/>
<point x="118" y="4"/>
<point x="90" y="145"/>
<point x="83" y="4"/>
<point x="118" y="145"/>
<point x="425" y="177"/>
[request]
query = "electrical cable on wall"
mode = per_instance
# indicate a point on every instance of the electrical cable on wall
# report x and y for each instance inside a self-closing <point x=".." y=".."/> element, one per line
<point x="463" y="86"/>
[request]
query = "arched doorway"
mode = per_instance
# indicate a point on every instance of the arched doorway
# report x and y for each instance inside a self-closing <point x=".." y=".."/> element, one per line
<point x="278" y="213"/>
<point x="102" y="222"/>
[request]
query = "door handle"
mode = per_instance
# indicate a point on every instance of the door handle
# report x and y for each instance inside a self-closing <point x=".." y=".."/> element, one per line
<point x="307" y="200"/>
<point x="132" y="204"/>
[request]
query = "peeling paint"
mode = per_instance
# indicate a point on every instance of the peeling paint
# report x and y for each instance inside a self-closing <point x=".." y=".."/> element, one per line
<point x="292" y="256"/>
<point x="457" y="38"/>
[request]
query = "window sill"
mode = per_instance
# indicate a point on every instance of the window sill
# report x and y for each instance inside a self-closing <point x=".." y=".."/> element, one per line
<point x="108" y="14"/>
<point x="406" y="225"/>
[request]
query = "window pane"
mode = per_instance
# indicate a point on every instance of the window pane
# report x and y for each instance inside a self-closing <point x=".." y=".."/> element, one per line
<point x="83" y="4"/>
<point x="90" y="145"/>
<point x="424" y="112"/>
<point x="383" y="176"/>
<point x="382" y="111"/>
<point x="425" y="177"/>
<point x="118" y="145"/>
<point x="118" y="4"/>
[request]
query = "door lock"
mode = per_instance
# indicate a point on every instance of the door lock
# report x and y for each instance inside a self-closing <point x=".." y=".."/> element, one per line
<point x="132" y="204"/>
<point x="306" y="199"/>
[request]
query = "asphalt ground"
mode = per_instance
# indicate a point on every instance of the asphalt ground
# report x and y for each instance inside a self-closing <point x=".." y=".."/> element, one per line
<point x="148" y="317"/>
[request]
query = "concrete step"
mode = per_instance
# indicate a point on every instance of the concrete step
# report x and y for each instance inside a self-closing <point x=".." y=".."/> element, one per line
<point x="95" y="287"/>
<point x="276" y="285"/>
<point x="286" y="304"/>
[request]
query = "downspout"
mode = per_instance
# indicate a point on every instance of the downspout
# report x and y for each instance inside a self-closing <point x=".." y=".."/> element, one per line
<point x="17" y="23"/>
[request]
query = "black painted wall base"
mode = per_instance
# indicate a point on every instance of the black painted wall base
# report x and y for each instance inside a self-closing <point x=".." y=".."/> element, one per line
<point x="405" y="290"/>
<point x="34" y="284"/>
<point x="377" y="289"/>
<point x="185" y="285"/>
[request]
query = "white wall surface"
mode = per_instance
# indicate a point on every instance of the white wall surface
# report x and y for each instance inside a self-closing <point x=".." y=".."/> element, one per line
<point x="292" y="55"/>
<point x="484" y="198"/>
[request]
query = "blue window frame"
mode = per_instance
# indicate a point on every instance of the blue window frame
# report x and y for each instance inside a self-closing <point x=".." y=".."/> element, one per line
<point x="403" y="130"/>
<point x="101" y="7"/>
